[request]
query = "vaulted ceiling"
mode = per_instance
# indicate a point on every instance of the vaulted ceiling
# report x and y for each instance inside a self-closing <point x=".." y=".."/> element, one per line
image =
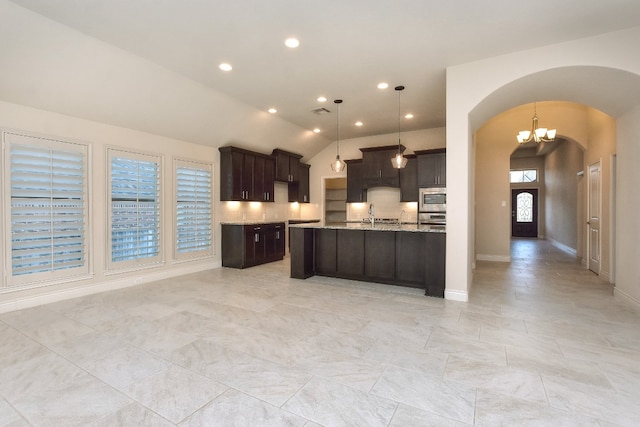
<point x="346" y="47"/>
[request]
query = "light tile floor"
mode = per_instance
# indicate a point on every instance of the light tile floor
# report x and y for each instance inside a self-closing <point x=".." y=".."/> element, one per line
<point x="541" y="342"/>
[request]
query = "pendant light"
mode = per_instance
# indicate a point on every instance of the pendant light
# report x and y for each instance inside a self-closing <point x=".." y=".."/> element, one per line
<point x="399" y="161"/>
<point x="337" y="165"/>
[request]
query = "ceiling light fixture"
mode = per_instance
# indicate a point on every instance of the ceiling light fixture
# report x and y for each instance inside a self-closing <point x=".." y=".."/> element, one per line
<point x="322" y="99"/>
<point x="316" y="130"/>
<point x="337" y="165"/>
<point x="399" y="161"/>
<point x="383" y="85"/>
<point x="292" y="42"/>
<point x="359" y="123"/>
<point x="408" y="116"/>
<point x="272" y="110"/>
<point x="225" y="67"/>
<point x="536" y="133"/>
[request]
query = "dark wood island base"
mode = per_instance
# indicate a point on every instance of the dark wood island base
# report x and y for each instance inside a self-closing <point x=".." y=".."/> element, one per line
<point x="407" y="255"/>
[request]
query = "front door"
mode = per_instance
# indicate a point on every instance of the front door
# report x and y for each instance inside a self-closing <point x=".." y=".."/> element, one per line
<point x="524" y="213"/>
<point x="594" y="218"/>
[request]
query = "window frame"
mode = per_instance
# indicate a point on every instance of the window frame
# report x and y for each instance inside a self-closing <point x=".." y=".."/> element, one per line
<point x="523" y="171"/>
<point x="12" y="282"/>
<point x="195" y="254"/>
<point x="137" y="263"/>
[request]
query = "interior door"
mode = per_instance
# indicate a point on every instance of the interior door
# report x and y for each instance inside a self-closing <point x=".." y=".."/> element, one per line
<point x="524" y="212"/>
<point x="594" y="217"/>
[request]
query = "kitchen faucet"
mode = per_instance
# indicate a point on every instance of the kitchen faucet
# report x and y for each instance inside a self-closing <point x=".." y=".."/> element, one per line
<point x="371" y="217"/>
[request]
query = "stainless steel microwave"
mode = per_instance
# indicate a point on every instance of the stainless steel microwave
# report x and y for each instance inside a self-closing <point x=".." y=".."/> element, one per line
<point x="432" y="200"/>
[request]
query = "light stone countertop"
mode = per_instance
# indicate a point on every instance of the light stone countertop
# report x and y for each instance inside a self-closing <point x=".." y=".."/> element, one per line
<point x="410" y="227"/>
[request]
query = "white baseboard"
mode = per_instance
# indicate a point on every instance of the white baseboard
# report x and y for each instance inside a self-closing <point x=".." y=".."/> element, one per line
<point x="563" y="247"/>
<point x="618" y="292"/>
<point x="456" y="295"/>
<point x="495" y="258"/>
<point x="94" y="288"/>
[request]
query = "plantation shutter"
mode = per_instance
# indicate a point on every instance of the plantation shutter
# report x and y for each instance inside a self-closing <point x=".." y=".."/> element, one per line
<point x="135" y="208"/>
<point x="193" y="210"/>
<point x="48" y="209"/>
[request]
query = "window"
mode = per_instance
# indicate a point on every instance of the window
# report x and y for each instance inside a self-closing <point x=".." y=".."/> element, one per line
<point x="193" y="209"/>
<point x="135" y="209"/>
<point x="524" y="207"/>
<point x="523" y="175"/>
<point x="46" y="182"/>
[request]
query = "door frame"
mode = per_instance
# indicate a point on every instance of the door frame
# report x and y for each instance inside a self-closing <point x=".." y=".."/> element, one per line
<point x="536" y="208"/>
<point x="588" y="221"/>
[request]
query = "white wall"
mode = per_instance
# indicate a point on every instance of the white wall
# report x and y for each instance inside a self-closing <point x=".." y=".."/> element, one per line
<point x="628" y="206"/>
<point x="478" y="91"/>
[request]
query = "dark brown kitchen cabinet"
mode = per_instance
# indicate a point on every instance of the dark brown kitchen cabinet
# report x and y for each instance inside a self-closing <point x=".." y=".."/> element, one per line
<point x="406" y="258"/>
<point x="246" y="245"/>
<point x="377" y="170"/>
<point x="409" y="180"/>
<point x="325" y="252"/>
<point x="435" y="249"/>
<point x="350" y="253"/>
<point x="379" y="262"/>
<point x="245" y="175"/>
<point x="287" y="165"/>
<point x="356" y="193"/>
<point x="432" y="168"/>
<point x="409" y="258"/>
<point x="299" y="191"/>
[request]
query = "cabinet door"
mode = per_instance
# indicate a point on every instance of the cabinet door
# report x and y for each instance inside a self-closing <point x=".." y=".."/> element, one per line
<point x="350" y="253"/>
<point x="274" y="236"/>
<point x="231" y="163"/>
<point x="377" y="169"/>
<point x="435" y="264"/>
<point x="299" y="191"/>
<point x="251" y="245"/>
<point x="432" y="170"/>
<point x="409" y="181"/>
<point x="356" y="193"/>
<point x="379" y="259"/>
<point x="268" y="179"/>
<point x="248" y="165"/>
<point x="294" y="169"/>
<point x="325" y="250"/>
<point x="259" y="193"/>
<point x="410" y="258"/>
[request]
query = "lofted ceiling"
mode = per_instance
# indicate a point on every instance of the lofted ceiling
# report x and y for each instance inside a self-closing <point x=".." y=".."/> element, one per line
<point x="346" y="47"/>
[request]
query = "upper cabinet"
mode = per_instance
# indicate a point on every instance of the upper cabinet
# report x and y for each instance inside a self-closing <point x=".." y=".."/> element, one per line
<point x="245" y="175"/>
<point x="287" y="165"/>
<point x="356" y="193"/>
<point x="377" y="170"/>
<point x="299" y="191"/>
<point x="409" y="180"/>
<point x="432" y="168"/>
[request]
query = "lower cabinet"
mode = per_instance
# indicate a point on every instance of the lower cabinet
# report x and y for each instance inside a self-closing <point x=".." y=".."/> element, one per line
<point x="413" y="259"/>
<point x="246" y="245"/>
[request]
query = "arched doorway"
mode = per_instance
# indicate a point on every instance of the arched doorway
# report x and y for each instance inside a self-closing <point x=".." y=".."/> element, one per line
<point x="499" y="85"/>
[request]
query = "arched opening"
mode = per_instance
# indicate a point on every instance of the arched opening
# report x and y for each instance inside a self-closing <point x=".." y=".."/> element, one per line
<point x="607" y="91"/>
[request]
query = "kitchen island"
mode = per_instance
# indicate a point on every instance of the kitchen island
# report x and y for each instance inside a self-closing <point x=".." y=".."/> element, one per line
<point x="397" y="254"/>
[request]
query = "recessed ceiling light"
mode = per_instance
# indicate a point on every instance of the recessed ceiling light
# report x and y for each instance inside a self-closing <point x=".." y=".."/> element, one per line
<point x="322" y="99"/>
<point x="225" y="67"/>
<point x="408" y="116"/>
<point x="359" y="123"/>
<point x="316" y="130"/>
<point x="292" y="42"/>
<point x="272" y="110"/>
<point x="383" y="85"/>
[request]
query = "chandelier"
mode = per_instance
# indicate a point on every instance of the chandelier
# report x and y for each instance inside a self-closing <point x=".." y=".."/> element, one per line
<point x="536" y="133"/>
<point x="399" y="161"/>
